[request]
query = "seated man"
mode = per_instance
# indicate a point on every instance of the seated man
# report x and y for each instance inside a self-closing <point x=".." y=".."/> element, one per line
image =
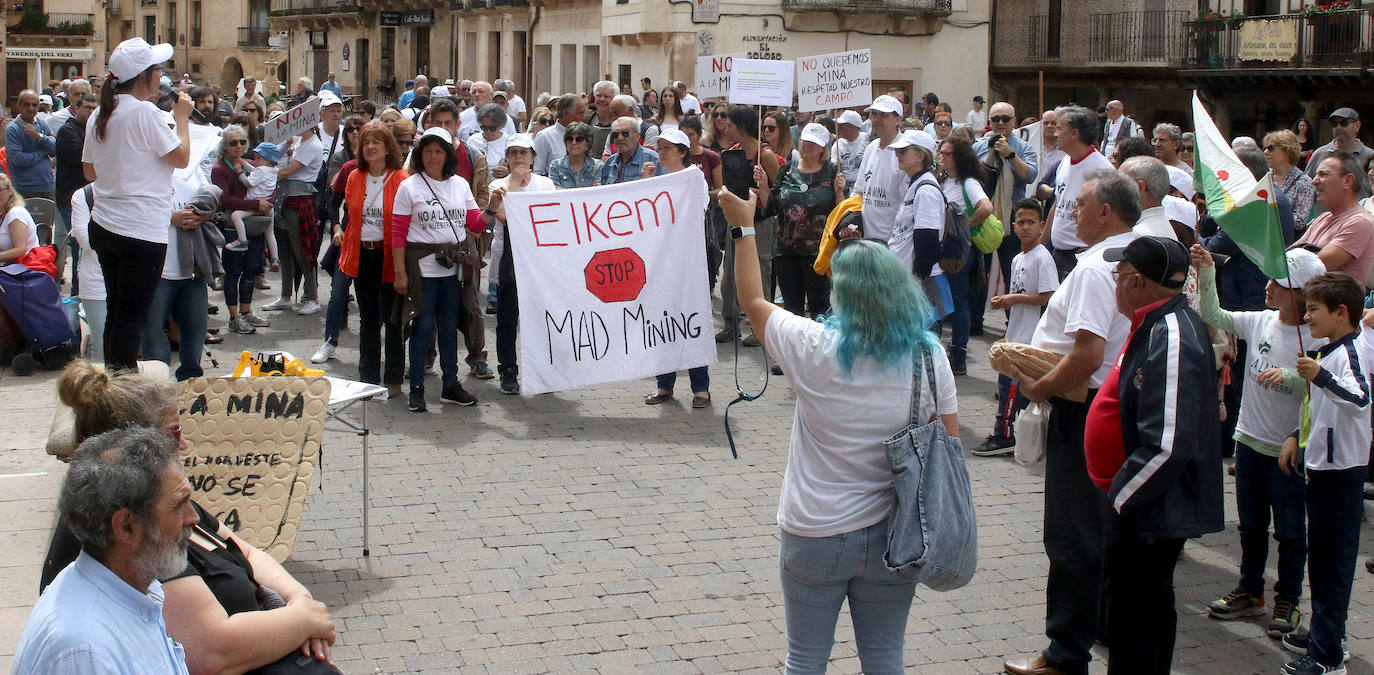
<point x="127" y="499"/>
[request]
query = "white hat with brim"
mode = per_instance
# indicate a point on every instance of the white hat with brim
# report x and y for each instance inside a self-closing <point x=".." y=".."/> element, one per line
<point x="439" y="133"/>
<point x="520" y="141"/>
<point x="1182" y="181"/>
<point x="133" y="56"/>
<point x="885" y="104"/>
<point x="327" y="98"/>
<point x="816" y="133"/>
<point x="1303" y="266"/>
<point x="850" y="117"/>
<point x="676" y="137"/>
<point x="914" y="137"/>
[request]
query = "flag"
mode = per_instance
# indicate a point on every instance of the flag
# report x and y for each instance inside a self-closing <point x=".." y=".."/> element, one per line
<point x="1245" y="208"/>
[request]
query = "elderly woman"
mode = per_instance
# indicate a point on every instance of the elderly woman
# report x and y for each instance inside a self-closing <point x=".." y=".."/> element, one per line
<point x="233" y="608"/>
<point x="576" y="169"/>
<point x="298" y="231"/>
<point x="365" y="253"/>
<point x="805" y="193"/>
<point x="491" y="137"/>
<point x="852" y="374"/>
<point x="1284" y="153"/>
<point x="18" y="232"/>
<point x="240" y="267"/>
<point x="963" y="188"/>
<point x="432" y="214"/>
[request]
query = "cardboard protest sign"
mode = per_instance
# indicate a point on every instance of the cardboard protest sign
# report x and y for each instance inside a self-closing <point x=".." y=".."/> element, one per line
<point x="840" y="80"/>
<point x="612" y="280"/>
<point x="293" y="121"/>
<point x="713" y="74"/>
<point x="253" y="443"/>
<point x="760" y="82"/>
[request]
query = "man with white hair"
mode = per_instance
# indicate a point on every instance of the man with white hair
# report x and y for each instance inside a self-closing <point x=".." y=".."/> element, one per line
<point x="624" y="105"/>
<point x="1116" y="127"/>
<point x="603" y="93"/>
<point x="406" y="98"/>
<point x="630" y="158"/>
<point x="516" y="105"/>
<point x="332" y="85"/>
<point x="75" y="91"/>
<point x="1167" y="139"/>
<point x="481" y="95"/>
<point x="690" y="104"/>
<point x="305" y="88"/>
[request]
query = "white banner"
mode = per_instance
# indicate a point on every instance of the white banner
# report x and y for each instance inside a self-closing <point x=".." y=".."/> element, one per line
<point x="840" y="80"/>
<point x="292" y="122"/>
<point x="713" y="74"/>
<point x="761" y="82"/>
<point x="612" y="281"/>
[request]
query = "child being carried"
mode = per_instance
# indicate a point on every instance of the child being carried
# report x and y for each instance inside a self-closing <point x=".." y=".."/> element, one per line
<point x="261" y="180"/>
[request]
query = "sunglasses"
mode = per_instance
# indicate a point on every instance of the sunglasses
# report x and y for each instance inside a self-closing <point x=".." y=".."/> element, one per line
<point x="546" y="121"/>
<point x="770" y="127"/>
<point x="241" y="141"/>
<point x="719" y="115"/>
<point x="622" y="134"/>
<point x="350" y="130"/>
<point x="1270" y="147"/>
<point x="1187" y="148"/>
<point x="492" y="128"/>
<point x="1000" y="119"/>
<point x="575" y="139"/>
<point x="1342" y="122"/>
<point x="944" y="123"/>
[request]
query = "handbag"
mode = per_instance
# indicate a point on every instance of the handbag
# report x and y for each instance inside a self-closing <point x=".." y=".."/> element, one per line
<point x="467" y="250"/>
<point x="987" y="235"/>
<point x="1032" y="427"/>
<point x="932" y="536"/>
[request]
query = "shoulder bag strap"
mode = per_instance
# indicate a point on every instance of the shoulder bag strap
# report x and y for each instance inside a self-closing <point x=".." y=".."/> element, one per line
<point x="916" y="359"/>
<point x="457" y="238"/>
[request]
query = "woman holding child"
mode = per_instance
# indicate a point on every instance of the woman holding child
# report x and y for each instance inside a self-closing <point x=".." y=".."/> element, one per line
<point x="241" y="265"/>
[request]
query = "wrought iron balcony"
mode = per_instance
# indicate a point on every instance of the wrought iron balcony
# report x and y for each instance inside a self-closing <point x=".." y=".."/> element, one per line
<point x="55" y="23"/>
<point x="254" y="37"/>
<point x="459" y="5"/>
<point x="304" y="7"/>
<point x="1140" y="39"/>
<point x="923" y="7"/>
<point x="1283" y="41"/>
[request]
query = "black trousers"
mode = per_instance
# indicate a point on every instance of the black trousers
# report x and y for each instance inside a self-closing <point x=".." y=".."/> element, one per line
<point x="1139" y="598"/>
<point x="1335" y="502"/>
<point x="804" y="292"/>
<point x="1073" y="541"/>
<point x="375" y="299"/>
<point x="131" y="268"/>
<point x="507" y="314"/>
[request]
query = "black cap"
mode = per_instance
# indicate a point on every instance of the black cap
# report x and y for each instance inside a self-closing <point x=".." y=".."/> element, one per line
<point x="1160" y="259"/>
<point x="979" y="99"/>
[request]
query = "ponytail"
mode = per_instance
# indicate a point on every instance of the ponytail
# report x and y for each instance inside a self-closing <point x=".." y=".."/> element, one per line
<point x="108" y="89"/>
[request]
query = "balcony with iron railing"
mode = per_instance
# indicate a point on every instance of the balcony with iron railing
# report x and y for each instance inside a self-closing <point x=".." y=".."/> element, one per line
<point x="1316" y="40"/>
<point x="36" y="22"/>
<point x="254" y="38"/>
<point x="459" y="5"/>
<point x="1140" y="39"/>
<point x="312" y="7"/>
<point x="921" y="7"/>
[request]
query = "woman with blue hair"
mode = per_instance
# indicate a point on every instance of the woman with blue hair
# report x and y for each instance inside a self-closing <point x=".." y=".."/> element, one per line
<point x="852" y="375"/>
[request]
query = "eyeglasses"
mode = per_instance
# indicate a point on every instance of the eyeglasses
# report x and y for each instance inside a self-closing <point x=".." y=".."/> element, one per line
<point x="1118" y="272"/>
<point x="575" y="139"/>
<point x="770" y="127"/>
<point x="1342" y="122"/>
<point x="943" y="123"/>
<point x="1187" y="148"/>
<point x="719" y="115"/>
<point x="490" y="128"/>
<point x="622" y="134"/>
<point x="1270" y="147"/>
<point x="351" y="130"/>
<point x="237" y="141"/>
<point x="1000" y="119"/>
<point x="546" y="121"/>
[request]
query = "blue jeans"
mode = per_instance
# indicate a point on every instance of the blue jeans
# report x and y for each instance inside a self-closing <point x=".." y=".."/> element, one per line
<point x="699" y="376"/>
<point x="818" y="574"/>
<point x="443" y="298"/>
<point x="1335" y="502"/>
<point x="187" y="302"/>
<point x="1010" y="403"/>
<point x="336" y="314"/>
<point x="95" y="321"/>
<point x="959" y="290"/>
<point x="1261" y="488"/>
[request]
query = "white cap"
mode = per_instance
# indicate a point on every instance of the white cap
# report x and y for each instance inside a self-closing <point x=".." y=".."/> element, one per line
<point x="676" y="137"/>
<point x="816" y="134"/>
<point x="520" y="141"/>
<point x="500" y="93"/>
<point x="1182" y="210"/>
<point x="914" y="137"/>
<point x="135" y="55"/>
<point x="1181" y="180"/>
<point x="438" y="92"/>
<point x="448" y="82"/>
<point x="850" y="117"/>
<point x="327" y="98"/>
<point x="885" y="104"/>
<point x="439" y="132"/>
<point x="1303" y="266"/>
<point x="44" y="98"/>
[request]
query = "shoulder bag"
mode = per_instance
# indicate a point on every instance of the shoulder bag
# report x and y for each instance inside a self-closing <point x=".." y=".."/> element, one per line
<point x="932" y="535"/>
<point x="987" y="235"/>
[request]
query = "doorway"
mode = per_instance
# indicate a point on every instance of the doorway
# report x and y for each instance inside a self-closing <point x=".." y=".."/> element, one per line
<point x="363" y="83"/>
<point x="421" y="46"/>
<point x="16" y="79"/>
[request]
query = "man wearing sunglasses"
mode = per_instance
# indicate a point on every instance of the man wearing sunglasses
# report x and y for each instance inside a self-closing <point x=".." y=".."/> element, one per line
<point x="1117" y="127"/>
<point x="628" y="161"/>
<point x="1345" y="132"/>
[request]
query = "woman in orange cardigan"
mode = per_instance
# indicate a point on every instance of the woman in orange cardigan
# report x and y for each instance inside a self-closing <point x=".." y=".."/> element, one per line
<point x="365" y="255"/>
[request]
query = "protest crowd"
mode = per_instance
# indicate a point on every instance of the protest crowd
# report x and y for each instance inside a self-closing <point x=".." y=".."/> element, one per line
<point x="1140" y="284"/>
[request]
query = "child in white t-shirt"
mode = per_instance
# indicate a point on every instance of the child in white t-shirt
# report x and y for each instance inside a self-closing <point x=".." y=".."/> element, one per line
<point x="261" y="180"/>
<point x="1033" y="280"/>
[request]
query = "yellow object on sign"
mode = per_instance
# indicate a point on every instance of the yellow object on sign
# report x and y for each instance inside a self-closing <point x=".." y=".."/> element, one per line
<point x="1268" y="40"/>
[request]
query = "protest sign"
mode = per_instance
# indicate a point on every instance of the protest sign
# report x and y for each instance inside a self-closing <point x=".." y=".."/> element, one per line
<point x="252" y="446"/>
<point x="292" y="122"/>
<point x="760" y="82"/>
<point x="840" y="80"/>
<point x="613" y="281"/>
<point x="205" y="141"/>
<point x="713" y="74"/>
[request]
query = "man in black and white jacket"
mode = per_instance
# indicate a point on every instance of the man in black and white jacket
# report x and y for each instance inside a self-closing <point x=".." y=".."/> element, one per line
<point x="1117" y="127"/>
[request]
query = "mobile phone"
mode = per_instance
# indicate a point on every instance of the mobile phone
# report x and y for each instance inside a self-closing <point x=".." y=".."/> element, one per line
<point x="737" y="172"/>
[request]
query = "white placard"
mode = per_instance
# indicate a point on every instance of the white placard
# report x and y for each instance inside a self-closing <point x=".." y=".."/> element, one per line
<point x="612" y="281"/>
<point x="759" y="82"/>
<point x="713" y="74"/>
<point x="840" y="80"/>
<point x="293" y="121"/>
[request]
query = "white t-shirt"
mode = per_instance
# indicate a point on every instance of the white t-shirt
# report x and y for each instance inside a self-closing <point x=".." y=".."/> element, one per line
<point x="131" y="196"/>
<point x="838" y="479"/>
<point x="428" y="224"/>
<point x="538" y="183"/>
<point x="171" y="264"/>
<point x="1268" y="415"/>
<point x="882" y="185"/>
<point x="89" y="273"/>
<point x="955" y="195"/>
<point x="22" y="215"/>
<point x="849" y="155"/>
<point x="310" y="154"/>
<point x="515" y="106"/>
<point x="1087" y="301"/>
<point x="690" y="105"/>
<point x="468" y="125"/>
<point x="495" y="151"/>
<point x="923" y="208"/>
<point x="1032" y="272"/>
<point x="1067" y="184"/>
<point x="261" y="182"/>
<point x="373" y="206"/>
<point x="978" y="119"/>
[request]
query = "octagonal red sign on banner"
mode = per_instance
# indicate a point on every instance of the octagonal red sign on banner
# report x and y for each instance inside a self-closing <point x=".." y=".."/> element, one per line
<point x="616" y="275"/>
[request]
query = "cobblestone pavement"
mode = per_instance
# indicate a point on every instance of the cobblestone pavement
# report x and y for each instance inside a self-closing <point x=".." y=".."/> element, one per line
<point x="585" y="531"/>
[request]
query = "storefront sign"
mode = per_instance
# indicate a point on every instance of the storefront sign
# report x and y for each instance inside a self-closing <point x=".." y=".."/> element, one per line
<point x="764" y="47"/>
<point x="417" y="18"/>
<point x="48" y="53"/>
<point x="841" y="80"/>
<point x="1268" y="40"/>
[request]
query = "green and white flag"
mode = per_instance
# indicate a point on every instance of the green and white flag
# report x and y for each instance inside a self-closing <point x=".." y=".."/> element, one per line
<point x="1245" y="208"/>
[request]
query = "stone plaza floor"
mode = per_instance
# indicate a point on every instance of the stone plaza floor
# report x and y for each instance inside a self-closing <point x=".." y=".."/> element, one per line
<point x="585" y="531"/>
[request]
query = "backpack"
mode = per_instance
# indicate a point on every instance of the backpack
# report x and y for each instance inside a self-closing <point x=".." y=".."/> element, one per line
<point x="955" y="240"/>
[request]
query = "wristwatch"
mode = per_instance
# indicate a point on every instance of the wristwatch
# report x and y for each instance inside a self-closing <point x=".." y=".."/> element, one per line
<point x="737" y="232"/>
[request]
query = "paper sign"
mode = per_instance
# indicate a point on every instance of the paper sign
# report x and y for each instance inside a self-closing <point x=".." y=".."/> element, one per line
<point x="293" y="121"/>
<point x="713" y="74"/>
<point x="205" y="144"/>
<point x="613" y="281"/>
<point x="759" y="82"/>
<point x="841" y="80"/>
<point x="252" y="446"/>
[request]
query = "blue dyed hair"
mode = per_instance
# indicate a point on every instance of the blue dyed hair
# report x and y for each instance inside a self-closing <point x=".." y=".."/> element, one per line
<point x="877" y="307"/>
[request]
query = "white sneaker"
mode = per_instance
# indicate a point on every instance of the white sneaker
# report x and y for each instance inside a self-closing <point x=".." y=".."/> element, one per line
<point x="308" y="307"/>
<point x="324" y="353"/>
<point x="277" y="305"/>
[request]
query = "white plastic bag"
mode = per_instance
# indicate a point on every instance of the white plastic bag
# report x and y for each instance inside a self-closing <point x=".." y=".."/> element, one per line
<point x="1031" y="428"/>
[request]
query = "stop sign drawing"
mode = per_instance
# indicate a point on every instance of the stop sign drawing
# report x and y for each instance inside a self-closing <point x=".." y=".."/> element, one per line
<point x="616" y="275"/>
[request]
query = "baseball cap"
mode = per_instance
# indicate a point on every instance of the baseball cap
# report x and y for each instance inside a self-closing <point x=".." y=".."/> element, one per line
<point x="676" y="137"/>
<point x="1182" y="181"/>
<point x="850" y="117"/>
<point x="914" y="137"/>
<point x="439" y="92"/>
<point x="135" y="55"/>
<point x="327" y="98"/>
<point x="979" y="99"/>
<point x="410" y="83"/>
<point x="44" y="98"/>
<point x="520" y="141"/>
<point x="268" y="151"/>
<point x="1303" y="266"/>
<point x="885" y="104"/>
<point x="1159" y="259"/>
<point x="500" y="93"/>
<point x="438" y="132"/>
<point x="1347" y="113"/>
<point x="816" y="134"/>
<point x="1181" y="210"/>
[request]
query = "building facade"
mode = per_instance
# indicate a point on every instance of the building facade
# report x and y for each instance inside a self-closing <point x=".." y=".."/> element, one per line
<point x="50" y="40"/>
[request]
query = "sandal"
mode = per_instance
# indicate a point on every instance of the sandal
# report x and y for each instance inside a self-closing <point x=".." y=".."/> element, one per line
<point x="657" y="397"/>
<point x="701" y="401"/>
